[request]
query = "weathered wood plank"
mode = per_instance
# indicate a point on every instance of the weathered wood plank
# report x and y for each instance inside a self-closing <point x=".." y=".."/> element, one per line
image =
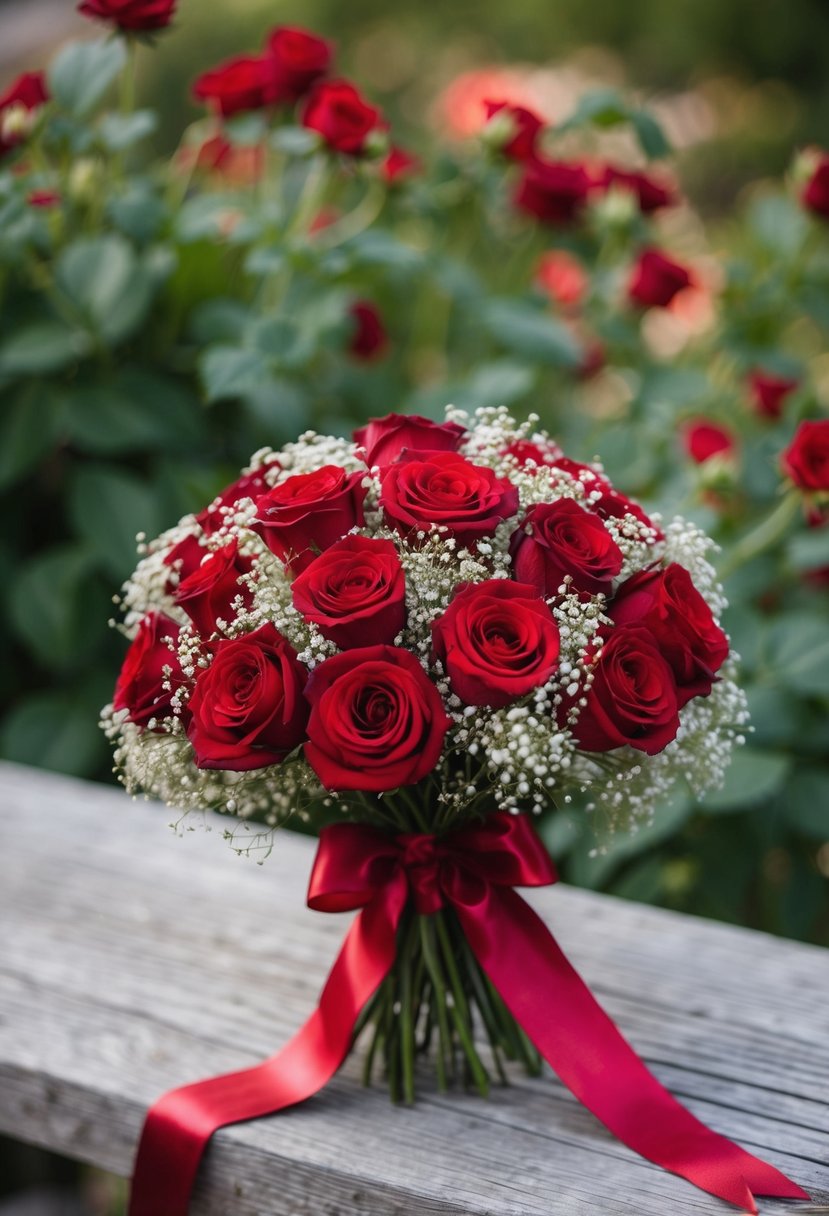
<point x="132" y="961"/>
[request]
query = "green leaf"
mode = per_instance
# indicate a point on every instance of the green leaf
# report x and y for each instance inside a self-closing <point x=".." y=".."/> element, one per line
<point x="81" y="73"/>
<point x="54" y="730"/>
<point x="778" y="223"/>
<point x="753" y="777"/>
<point x="806" y="801"/>
<point x="121" y="131"/>
<point x="498" y="383"/>
<point x="45" y="346"/>
<point x="139" y="213"/>
<point x="295" y="141"/>
<point x="652" y="139"/>
<point x="603" y="107"/>
<point x="108" y="507"/>
<point x="797" y="646"/>
<point x="227" y="371"/>
<point x="111" y="289"/>
<point x="48" y="606"/>
<point x="809" y="550"/>
<point x="376" y="247"/>
<point x="28" y="428"/>
<point x="533" y="334"/>
<point x="132" y="411"/>
<point x="218" y="320"/>
<point x="246" y="130"/>
<point x="596" y="857"/>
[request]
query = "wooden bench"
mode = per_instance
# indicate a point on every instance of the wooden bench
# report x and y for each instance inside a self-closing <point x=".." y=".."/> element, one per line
<point x="133" y="961"/>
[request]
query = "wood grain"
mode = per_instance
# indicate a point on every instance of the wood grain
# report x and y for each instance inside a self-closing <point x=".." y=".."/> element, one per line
<point x="132" y="961"/>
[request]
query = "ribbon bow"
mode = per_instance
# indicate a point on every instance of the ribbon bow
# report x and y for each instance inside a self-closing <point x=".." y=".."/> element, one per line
<point x="473" y="870"/>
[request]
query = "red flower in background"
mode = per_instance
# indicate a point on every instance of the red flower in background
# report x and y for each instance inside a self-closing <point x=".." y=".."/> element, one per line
<point x="140" y="687"/>
<point x="650" y="193"/>
<point x="815" y="194"/>
<point x="245" y="83"/>
<point x="27" y="91"/>
<point x="377" y="720"/>
<point x="369" y="338"/>
<point x="247" y="709"/>
<point x="384" y="439"/>
<point x="43" y="198"/>
<point x="306" y="513"/>
<point x="354" y="592"/>
<point x="769" y="393"/>
<point x="497" y="641"/>
<point x="525" y="128"/>
<point x="806" y="459"/>
<point x="563" y="277"/>
<point x="656" y="279"/>
<point x="299" y="58"/>
<point x="342" y="116"/>
<point x="397" y="165"/>
<point x="703" y="440"/>
<point x="133" y="16"/>
<point x="238" y="165"/>
<point x="554" y="191"/>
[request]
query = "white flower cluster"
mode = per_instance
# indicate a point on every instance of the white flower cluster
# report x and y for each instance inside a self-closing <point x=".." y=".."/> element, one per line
<point x="525" y="755"/>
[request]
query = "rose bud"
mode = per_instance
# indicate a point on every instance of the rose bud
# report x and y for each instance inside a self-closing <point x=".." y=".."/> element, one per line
<point x="208" y="592"/>
<point x="815" y="194"/>
<point x="369" y="338"/>
<point x="354" y="592"/>
<point x="806" y="459"/>
<point x="703" y="440"/>
<point x="306" y="513"/>
<point x="668" y="604"/>
<point x="244" y="83"/>
<point x="468" y="501"/>
<point x="397" y="165"/>
<point x="632" y="700"/>
<point x="247" y="709"/>
<point x="131" y="16"/>
<point x="343" y="118"/>
<point x="43" y="198"/>
<point x="497" y="641"/>
<point x="769" y="393"/>
<point x="562" y="277"/>
<point x="17" y="108"/>
<point x="299" y="59"/>
<point x="650" y="194"/>
<point x="377" y="720"/>
<point x="384" y="439"/>
<point x="514" y="130"/>
<point x="555" y="192"/>
<point x="656" y="279"/>
<point x="151" y="672"/>
<point x="249" y="485"/>
<point x="561" y="538"/>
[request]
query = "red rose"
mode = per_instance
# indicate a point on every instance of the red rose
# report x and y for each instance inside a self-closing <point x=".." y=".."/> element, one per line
<point x="445" y="489"/>
<point x="384" y="439"/>
<point x="43" y="198"/>
<point x="183" y="559"/>
<point x="398" y="164"/>
<point x="309" y="511"/>
<point x="151" y="671"/>
<point x="377" y="720"/>
<point x="560" y="538"/>
<point x="704" y="440"/>
<point x="28" y="91"/>
<point x="553" y="191"/>
<point x="355" y="592"/>
<point x="806" y="459"/>
<point x="247" y="82"/>
<point x="650" y="193"/>
<point x="768" y="393"/>
<point x="247" y="708"/>
<point x="667" y="603"/>
<point x="369" y="338"/>
<point x="524" y="450"/>
<point x="299" y="58"/>
<point x="563" y="278"/>
<point x="497" y="641"/>
<point x="342" y="116"/>
<point x="208" y="592"/>
<point x="249" y="485"/>
<point x="131" y="15"/>
<point x="524" y="129"/>
<point x="584" y="473"/>
<point x="656" y="279"/>
<point x="632" y="700"/>
<point x="614" y="505"/>
<point x="816" y="192"/>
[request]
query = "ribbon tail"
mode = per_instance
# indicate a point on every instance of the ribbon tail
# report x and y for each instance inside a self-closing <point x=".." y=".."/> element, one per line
<point x="585" y="1048"/>
<point x="179" y="1126"/>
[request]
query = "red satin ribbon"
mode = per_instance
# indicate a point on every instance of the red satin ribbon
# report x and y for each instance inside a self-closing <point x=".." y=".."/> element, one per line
<point x="474" y="871"/>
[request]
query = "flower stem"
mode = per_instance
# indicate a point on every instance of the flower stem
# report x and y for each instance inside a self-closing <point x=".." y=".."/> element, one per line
<point x="460" y="1009"/>
<point x="767" y="534"/>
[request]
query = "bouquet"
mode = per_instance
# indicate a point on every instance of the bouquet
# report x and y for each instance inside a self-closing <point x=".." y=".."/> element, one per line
<point x="414" y="641"/>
